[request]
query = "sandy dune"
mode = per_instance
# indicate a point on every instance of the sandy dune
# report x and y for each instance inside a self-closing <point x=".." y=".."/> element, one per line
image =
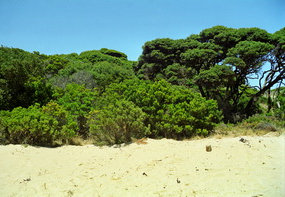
<point x="158" y="168"/>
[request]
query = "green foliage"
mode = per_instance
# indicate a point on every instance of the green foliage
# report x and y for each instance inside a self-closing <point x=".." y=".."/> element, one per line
<point x="251" y="54"/>
<point x="244" y="99"/>
<point x="55" y="63"/>
<point x="21" y="76"/>
<point x="105" y="73"/>
<point x="117" y="123"/>
<point x="209" y="34"/>
<point x="42" y="90"/>
<point x="63" y="117"/>
<point x="178" y="74"/>
<point x="172" y="111"/>
<point x="107" y="55"/>
<point x="75" y="72"/>
<point x="199" y="58"/>
<point x="113" y="53"/>
<point x="99" y="75"/>
<point x="254" y="34"/>
<point x="78" y="101"/>
<point x="157" y="55"/>
<point x="81" y="77"/>
<point x="215" y="77"/>
<point x="219" y="62"/>
<point x="36" y="126"/>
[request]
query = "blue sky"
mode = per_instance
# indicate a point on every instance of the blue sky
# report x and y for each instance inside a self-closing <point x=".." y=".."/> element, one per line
<point x="66" y="26"/>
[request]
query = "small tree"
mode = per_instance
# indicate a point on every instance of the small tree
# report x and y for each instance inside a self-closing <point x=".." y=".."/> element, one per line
<point x="222" y="60"/>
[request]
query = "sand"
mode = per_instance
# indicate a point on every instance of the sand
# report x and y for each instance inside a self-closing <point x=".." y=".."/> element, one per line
<point x="159" y="168"/>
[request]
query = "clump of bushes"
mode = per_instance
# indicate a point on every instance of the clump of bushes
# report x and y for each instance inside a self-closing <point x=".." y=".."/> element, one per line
<point x="35" y="125"/>
<point x="171" y="111"/>
<point x="130" y="109"/>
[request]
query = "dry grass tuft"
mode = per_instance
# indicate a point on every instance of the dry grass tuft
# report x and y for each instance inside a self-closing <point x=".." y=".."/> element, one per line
<point x="238" y="130"/>
<point x="141" y="141"/>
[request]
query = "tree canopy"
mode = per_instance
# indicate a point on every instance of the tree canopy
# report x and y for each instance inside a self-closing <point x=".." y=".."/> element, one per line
<point x="220" y="62"/>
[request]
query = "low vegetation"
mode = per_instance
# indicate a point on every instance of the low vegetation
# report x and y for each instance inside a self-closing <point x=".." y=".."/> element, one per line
<point x="178" y="89"/>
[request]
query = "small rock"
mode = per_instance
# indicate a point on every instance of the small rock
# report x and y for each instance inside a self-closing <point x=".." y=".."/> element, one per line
<point x="208" y="148"/>
<point x="178" y="181"/>
<point x="243" y="140"/>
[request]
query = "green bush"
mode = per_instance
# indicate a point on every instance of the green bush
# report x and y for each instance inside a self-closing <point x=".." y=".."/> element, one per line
<point x="117" y="123"/>
<point x="172" y="111"/>
<point x="78" y="101"/>
<point x="113" y="53"/>
<point x="55" y="63"/>
<point x="75" y="72"/>
<point x="35" y="125"/>
<point x="95" y="56"/>
<point x="22" y="79"/>
<point x="99" y="74"/>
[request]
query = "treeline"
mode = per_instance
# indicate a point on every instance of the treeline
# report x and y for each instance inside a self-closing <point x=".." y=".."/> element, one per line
<point x="177" y="88"/>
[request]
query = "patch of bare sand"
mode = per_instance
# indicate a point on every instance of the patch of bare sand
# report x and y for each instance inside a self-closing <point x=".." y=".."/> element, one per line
<point x="254" y="167"/>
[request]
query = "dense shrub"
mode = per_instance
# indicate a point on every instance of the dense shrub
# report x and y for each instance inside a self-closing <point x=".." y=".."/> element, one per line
<point x="75" y="72"/>
<point x="105" y="73"/>
<point x="117" y="123"/>
<point x="35" y="125"/>
<point x="99" y="74"/>
<point x="22" y="80"/>
<point x="55" y="63"/>
<point x="172" y="111"/>
<point x="95" y="56"/>
<point x="42" y="90"/>
<point x="78" y="101"/>
<point x="113" y="53"/>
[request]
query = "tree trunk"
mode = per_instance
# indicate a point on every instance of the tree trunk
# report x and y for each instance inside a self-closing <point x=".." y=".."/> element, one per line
<point x="254" y="98"/>
<point x="269" y="101"/>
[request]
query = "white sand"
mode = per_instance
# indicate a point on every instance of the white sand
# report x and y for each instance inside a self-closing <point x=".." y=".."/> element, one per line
<point x="158" y="168"/>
